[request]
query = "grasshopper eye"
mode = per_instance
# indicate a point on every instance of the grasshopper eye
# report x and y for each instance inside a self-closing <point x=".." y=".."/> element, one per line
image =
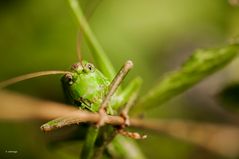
<point x="90" y="67"/>
<point x="69" y="79"/>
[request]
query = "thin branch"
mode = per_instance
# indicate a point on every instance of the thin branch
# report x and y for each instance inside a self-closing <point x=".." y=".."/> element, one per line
<point x="112" y="88"/>
<point x="78" y="117"/>
<point x="219" y="138"/>
<point x="17" y="107"/>
<point x="233" y="2"/>
<point x="222" y="139"/>
<point x="116" y="82"/>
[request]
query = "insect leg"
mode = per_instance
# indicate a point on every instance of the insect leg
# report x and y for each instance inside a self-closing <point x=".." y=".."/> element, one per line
<point x="128" y="97"/>
<point x="128" y="92"/>
<point x="112" y="88"/>
<point x="129" y="104"/>
<point x="124" y="114"/>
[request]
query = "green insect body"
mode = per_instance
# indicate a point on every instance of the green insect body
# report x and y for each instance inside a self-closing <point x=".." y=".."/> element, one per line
<point x="87" y="86"/>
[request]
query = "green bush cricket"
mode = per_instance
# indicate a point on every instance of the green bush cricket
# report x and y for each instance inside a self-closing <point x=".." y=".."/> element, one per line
<point x="85" y="86"/>
<point x="95" y="91"/>
<point x="89" y="89"/>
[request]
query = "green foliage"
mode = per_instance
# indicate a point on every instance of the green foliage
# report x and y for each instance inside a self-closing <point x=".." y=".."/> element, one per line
<point x="200" y="65"/>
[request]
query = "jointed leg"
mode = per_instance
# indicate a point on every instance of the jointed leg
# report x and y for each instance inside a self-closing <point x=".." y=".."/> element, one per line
<point x="128" y="96"/>
<point x="124" y="114"/>
<point x="112" y="88"/>
<point x="125" y="110"/>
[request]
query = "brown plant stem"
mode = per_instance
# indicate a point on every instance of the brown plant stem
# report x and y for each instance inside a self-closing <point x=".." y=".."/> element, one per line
<point x="16" y="107"/>
<point x="222" y="139"/>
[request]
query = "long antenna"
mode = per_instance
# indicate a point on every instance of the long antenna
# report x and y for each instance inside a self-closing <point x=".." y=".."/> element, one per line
<point x="88" y="13"/>
<point x="78" y="46"/>
<point x="29" y="76"/>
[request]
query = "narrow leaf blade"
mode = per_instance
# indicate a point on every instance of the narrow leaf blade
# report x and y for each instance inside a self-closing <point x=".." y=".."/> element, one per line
<point x="200" y="65"/>
<point x="99" y="55"/>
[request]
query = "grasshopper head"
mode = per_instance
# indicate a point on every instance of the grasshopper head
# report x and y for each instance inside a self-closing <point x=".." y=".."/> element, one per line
<point x="86" y="85"/>
<point x="83" y="67"/>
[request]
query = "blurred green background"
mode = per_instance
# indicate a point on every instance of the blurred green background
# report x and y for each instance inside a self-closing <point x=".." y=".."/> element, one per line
<point x="158" y="35"/>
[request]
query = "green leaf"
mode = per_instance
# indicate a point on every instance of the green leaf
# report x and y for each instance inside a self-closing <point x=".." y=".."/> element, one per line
<point x="201" y="64"/>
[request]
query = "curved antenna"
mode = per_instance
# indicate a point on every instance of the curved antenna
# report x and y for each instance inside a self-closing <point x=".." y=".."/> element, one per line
<point x="91" y="6"/>
<point x="89" y="12"/>
<point x="29" y="76"/>
<point x="78" y="47"/>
